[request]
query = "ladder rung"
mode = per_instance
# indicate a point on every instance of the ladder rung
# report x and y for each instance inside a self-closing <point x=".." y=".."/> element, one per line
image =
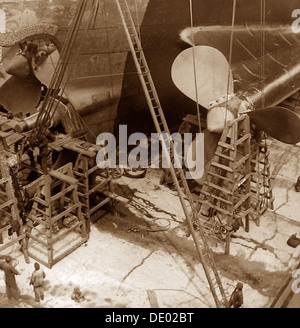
<point x="40" y="201"/>
<point x="256" y="191"/>
<point x="216" y="197"/>
<point x="242" y="181"/>
<point x="216" y="207"/>
<point x="210" y="184"/>
<point x="7" y="203"/>
<point x="224" y="156"/>
<point x="244" y="199"/>
<point x="244" y="138"/>
<point x="225" y="145"/>
<point x="97" y="207"/>
<point x="79" y="174"/>
<point x="222" y="167"/>
<point x="241" y="161"/>
<point x="258" y="175"/>
<point x="219" y="176"/>
<point x="39" y="210"/>
<point x="81" y="194"/>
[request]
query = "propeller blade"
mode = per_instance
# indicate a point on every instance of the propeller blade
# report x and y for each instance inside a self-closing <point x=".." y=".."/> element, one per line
<point x="210" y="144"/>
<point x="18" y="95"/>
<point x="19" y="67"/>
<point x="278" y="122"/>
<point x="46" y="69"/>
<point x="211" y="78"/>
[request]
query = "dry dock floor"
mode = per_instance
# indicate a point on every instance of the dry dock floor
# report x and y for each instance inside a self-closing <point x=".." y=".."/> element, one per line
<point x="123" y="264"/>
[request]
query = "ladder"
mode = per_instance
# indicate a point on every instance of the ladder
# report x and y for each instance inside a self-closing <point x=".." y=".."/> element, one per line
<point x="56" y="226"/>
<point x="168" y="148"/>
<point x="261" y="181"/>
<point x="226" y="191"/>
<point x="10" y="220"/>
<point x="92" y="182"/>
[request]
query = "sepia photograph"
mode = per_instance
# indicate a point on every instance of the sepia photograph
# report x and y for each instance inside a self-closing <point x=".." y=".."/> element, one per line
<point x="149" y="156"/>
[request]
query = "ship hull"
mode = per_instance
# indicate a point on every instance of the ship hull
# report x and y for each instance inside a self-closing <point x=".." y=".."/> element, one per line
<point x="105" y="88"/>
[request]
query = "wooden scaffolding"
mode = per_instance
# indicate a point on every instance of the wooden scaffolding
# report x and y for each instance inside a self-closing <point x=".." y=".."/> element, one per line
<point x="238" y="187"/>
<point x="56" y="225"/>
<point x="261" y="181"/>
<point x="93" y="186"/>
<point x="225" y="195"/>
<point x="12" y="228"/>
<point x="93" y="182"/>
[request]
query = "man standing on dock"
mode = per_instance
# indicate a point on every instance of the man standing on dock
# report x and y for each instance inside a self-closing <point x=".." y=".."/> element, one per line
<point x="297" y="186"/>
<point x="12" y="290"/>
<point x="37" y="280"/>
<point x="237" y="299"/>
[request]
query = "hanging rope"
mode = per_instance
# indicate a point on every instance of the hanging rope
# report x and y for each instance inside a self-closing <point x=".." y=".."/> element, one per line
<point x="137" y="20"/>
<point x="230" y="54"/>
<point x="93" y="10"/>
<point x="263" y="41"/>
<point x="109" y="56"/>
<point x="48" y="109"/>
<point x="194" y="66"/>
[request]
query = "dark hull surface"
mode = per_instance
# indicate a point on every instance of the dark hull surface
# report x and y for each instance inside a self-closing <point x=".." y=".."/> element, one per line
<point x="160" y="33"/>
<point x="105" y="87"/>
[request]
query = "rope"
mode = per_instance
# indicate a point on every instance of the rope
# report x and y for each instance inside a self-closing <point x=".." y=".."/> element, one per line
<point x="94" y="14"/>
<point x="230" y="54"/>
<point x="262" y="27"/>
<point x="109" y="56"/>
<point x="194" y="66"/>
<point x="45" y="112"/>
<point x="137" y="20"/>
<point x="81" y="119"/>
<point x="94" y="9"/>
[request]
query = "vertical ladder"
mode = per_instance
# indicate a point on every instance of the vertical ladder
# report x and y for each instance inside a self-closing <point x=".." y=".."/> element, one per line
<point x="92" y="181"/>
<point x="9" y="212"/>
<point x="162" y="129"/>
<point x="261" y="182"/>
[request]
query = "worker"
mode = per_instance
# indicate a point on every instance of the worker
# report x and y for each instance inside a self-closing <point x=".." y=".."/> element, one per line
<point x="236" y="298"/>
<point x="37" y="280"/>
<point x="237" y="224"/>
<point x="77" y="295"/>
<point x="12" y="290"/>
<point x="297" y="186"/>
<point x="46" y="137"/>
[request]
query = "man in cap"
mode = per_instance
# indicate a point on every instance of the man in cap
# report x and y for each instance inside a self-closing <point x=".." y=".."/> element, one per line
<point x="37" y="280"/>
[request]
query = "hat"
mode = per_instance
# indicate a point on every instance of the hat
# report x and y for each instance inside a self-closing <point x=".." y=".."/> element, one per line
<point x="8" y="258"/>
<point x="239" y="285"/>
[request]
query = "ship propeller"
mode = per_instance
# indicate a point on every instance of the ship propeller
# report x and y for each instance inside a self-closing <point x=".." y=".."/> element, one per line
<point x="21" y="92"/>
<point x="203" y="74"/>
<point x="30" y="68"/>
